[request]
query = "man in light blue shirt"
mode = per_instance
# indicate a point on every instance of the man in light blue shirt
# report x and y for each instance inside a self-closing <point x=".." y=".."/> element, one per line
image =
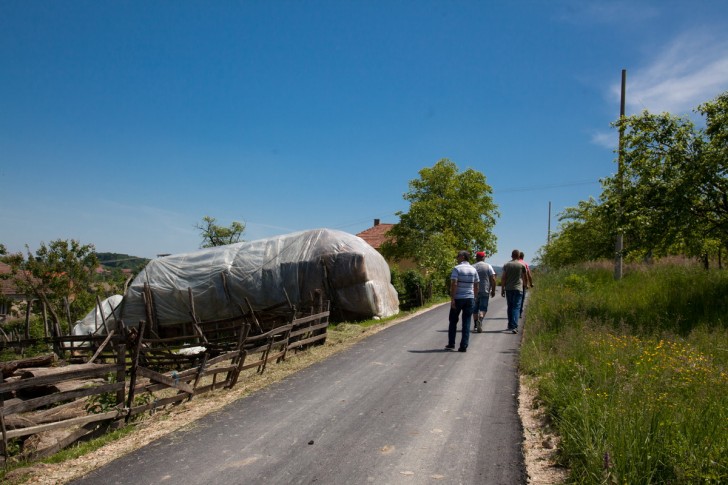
<point x="464" y="283"/>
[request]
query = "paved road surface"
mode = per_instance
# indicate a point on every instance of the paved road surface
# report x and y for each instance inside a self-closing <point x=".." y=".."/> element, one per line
<point x="394" y="409"/>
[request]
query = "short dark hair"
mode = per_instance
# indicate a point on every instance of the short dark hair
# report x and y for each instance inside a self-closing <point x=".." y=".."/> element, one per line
<point x="521" y="255"/>
<point x="464" y="254"/>
<point x="515" y="253"/>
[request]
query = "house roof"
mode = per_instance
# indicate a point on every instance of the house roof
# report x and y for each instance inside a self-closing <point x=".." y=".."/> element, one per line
<point x="376" y="234"/>
<point x="7" y="286"/>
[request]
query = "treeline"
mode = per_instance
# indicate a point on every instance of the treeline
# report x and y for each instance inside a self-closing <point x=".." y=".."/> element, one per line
<point x="122" y="261"/>
<point x="669" y="195"/>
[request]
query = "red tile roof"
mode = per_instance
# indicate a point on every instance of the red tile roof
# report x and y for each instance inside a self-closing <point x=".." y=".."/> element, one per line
<point x="376" y="234"/>
<point x="7" y="286"/>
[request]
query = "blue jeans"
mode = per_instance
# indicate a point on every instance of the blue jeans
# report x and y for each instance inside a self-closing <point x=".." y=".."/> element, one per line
<point x="523" y="302"/>
<point x="513" y="300"/>
<point x="465" y="305"/>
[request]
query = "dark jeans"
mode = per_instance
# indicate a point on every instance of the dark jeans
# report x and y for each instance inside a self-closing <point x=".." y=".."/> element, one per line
<point x="513" y="300"/>
<point x="465" y="305"/>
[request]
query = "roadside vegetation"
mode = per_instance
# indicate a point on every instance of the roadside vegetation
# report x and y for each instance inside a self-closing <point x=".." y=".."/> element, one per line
<point x="633" y="373"/>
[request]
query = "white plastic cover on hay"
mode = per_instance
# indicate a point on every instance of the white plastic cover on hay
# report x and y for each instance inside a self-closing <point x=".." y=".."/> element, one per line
<point x="347" y="270"/>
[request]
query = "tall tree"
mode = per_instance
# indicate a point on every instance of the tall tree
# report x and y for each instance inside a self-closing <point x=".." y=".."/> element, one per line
<point x="449" y="211"/>
<point x="215" y="235"/>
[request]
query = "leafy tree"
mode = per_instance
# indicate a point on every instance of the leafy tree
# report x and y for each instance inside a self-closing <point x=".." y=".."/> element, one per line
<point x="214" y="235"/>
<point x="58" y="273"/>
<point x="659" y="156"/>
<point x="711" y="176"/>
<point x="584" y="235"/>
<point x="449" y="211"/>
<point x="670" y="195"/>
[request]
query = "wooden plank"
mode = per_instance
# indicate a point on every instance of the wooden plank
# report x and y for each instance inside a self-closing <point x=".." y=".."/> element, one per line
<point x="166" y="380"/>
<point x="102" y="346"/>
<point x="312" y="328"/>
<point x="7" y="368"/>
<point x="55" y="374"/>
<point x="92" y="418"/>
<point x="157" y="404"/>
<point x="309" y="318"/>
<point x="301" y="343"/>
<point x="57" y="397"/>
<point x="218" y="370"/>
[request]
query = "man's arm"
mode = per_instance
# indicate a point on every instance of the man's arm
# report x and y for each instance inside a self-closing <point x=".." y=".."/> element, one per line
<point x="476" y="288"/>
<point x="492" y="284"/>
<point x="453" y="289"/>
<point x="503" y="282"/>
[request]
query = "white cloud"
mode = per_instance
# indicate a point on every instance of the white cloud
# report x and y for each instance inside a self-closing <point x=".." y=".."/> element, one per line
<point x="606" y="12"/>
<point x="690" y="70"/>
<point x="606" y="139"/>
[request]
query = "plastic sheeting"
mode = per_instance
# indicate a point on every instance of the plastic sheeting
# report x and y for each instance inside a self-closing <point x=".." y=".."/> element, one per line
<point x="346" y="269"/>
<point x="94" y="320"/>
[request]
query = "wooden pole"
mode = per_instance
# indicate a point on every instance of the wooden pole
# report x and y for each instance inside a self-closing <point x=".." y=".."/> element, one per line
<point x="27" y="319"/>
<point x="619" y="244"/>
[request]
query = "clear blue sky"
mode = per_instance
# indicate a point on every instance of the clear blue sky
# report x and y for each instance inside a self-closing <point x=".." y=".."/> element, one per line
<point x="124" y="123"/>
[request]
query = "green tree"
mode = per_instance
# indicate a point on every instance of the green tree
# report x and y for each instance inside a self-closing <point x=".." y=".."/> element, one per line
<point x="651" y="201"/>
<point x="59" y="273"/>
<point x="711" y="176"/>
<point x="584" y="235"/>
<point x="449" y="211"/>
<point x="670" y="195"/>
<point x="214" y="235"/>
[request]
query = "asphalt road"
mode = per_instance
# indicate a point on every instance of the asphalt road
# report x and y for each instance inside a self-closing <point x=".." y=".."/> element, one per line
<point x="397" y="408"/>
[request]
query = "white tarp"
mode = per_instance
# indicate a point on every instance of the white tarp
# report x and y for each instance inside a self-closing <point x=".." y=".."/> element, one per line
<point x="346" y="269"/>
<point x="93" y="321"/>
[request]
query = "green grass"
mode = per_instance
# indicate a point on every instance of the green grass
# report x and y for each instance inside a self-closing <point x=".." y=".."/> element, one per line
<point x="634" y="373"/>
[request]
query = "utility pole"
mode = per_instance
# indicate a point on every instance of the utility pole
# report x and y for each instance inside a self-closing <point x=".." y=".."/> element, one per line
<point x="619" y="244"/>
<point x="548" y="235"/>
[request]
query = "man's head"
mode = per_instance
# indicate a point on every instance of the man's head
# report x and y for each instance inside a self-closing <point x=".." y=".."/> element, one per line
<point x="515" y="254"/>
<point x="479" y="256"/>
<point x="463" y="256"/>
<point x="521" y="255"/>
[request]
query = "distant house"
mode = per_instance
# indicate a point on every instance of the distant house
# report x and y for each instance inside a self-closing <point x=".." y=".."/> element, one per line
<point x="376" y="235"/>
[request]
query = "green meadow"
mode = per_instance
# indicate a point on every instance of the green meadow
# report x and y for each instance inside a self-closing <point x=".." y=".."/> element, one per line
<point x="633" y="374"/>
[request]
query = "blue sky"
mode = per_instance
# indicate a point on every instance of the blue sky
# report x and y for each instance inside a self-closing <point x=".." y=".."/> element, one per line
<point x="123" y="124"/>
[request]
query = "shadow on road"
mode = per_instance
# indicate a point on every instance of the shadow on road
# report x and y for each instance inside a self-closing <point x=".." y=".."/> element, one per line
<point x="430" y="351"/>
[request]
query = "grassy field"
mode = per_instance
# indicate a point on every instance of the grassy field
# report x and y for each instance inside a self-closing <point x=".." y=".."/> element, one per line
<point x="634" y="374"/>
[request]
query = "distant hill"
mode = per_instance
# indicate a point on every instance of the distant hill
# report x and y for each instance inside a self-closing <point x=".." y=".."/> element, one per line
<point x="122" y="261"/>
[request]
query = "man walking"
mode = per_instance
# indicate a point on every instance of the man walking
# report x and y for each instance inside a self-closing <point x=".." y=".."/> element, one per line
<point x="513" y="282"/>
<point x="486" y="274"/>
<point x="528" y="282"/>
<point x="463" y="288"/>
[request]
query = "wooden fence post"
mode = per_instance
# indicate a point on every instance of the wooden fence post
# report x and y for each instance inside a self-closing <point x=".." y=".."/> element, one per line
<point x="134" y="365"/>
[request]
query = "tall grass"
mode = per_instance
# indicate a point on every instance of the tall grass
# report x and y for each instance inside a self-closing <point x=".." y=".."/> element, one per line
<point x="634" y="373"/>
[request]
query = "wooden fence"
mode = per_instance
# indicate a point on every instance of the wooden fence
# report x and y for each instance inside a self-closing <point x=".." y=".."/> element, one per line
<point x="110" y="379"/>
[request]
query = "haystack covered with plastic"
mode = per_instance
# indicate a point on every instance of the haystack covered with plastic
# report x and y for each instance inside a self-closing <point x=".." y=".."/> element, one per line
<point x="266" y="273"/>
